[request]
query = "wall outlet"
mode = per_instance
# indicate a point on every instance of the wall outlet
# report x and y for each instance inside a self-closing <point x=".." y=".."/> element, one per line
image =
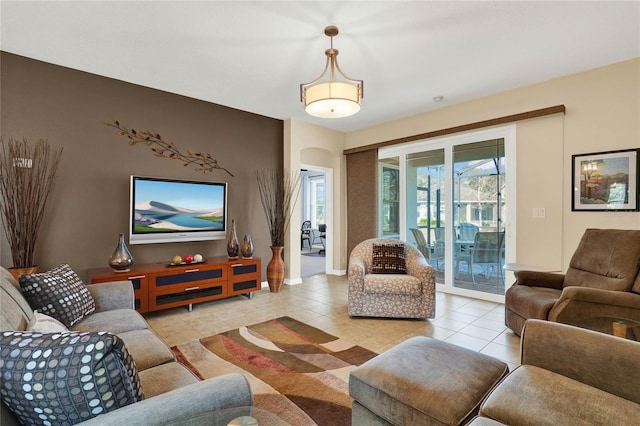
<point x="539" y="213"/>
<point x="24" y="163"/>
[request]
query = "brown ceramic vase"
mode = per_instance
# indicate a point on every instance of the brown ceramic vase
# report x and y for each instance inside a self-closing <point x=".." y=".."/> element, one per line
<point x="275" y="270"/>
<point x="16" y="272"/>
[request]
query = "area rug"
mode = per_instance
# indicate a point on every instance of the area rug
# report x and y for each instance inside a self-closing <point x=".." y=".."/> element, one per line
<point x="296" y="371"/>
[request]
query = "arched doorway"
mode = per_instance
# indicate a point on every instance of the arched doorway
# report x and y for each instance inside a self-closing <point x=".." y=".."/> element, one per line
<point x="316" y="209"/>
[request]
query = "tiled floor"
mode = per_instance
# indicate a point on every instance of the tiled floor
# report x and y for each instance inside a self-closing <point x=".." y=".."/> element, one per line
<point x="311" y="262"/>
<point x="321" y="301"/>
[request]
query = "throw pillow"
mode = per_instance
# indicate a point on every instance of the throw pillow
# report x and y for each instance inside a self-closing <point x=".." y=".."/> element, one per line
<point x="59" y="293"/>
<point x="388" y="259"/>
<point x="45" y="324"/>
<point x="65" y="378"/>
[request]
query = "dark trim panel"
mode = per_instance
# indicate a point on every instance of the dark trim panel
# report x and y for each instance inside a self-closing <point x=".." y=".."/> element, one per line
<point x="557" y="109"/>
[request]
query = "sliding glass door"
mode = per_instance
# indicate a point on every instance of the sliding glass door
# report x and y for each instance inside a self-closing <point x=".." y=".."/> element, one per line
<point x="479" y="208"/>
<point x="453" y="205"/>
<point x="425" y="200"/>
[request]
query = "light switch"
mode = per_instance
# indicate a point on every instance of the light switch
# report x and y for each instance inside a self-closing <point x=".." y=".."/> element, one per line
<point x="539" y="213"/>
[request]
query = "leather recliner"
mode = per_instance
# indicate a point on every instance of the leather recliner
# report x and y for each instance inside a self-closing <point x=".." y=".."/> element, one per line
<point x="603" y="280"/>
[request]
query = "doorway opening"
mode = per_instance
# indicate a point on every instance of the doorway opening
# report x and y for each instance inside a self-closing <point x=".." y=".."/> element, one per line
<point x="315" y="210"/>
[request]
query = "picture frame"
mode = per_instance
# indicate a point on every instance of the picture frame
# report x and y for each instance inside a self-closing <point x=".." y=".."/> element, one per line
<point x="605" y="181"/>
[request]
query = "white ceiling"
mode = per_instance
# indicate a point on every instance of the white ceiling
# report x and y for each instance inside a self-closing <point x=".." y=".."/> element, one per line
<point x="252" y="55"/>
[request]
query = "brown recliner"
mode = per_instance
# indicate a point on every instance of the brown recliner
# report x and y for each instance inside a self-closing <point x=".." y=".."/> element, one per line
<point x="603" y="280"/>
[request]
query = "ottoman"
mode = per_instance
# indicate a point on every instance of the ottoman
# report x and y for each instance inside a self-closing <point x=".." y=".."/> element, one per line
<point x="422" y="381"/>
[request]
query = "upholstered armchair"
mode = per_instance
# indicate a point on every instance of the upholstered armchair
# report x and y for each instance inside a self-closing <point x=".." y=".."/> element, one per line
<point x="602" y="281"/>
<point x="382" y="284"/>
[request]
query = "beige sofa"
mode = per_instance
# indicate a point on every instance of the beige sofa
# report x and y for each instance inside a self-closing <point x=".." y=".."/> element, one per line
<point x="568" y="376"/>
<point x="171" y="391"/>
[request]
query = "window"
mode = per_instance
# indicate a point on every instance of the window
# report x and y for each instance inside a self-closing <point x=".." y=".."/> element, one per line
<point x="389" y="199"/>
<point x="317" y="201"/>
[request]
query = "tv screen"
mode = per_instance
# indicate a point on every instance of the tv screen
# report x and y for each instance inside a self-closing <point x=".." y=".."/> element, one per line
<point x="174" y="210"/>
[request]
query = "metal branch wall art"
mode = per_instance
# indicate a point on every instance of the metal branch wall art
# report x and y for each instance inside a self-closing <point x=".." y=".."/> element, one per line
<point x="203" y="161"/>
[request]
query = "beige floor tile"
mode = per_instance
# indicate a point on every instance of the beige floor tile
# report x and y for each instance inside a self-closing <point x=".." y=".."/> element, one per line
<point x="508" y="338"/>
<point x="449" y="324"/>
<point x="505" y="353"/>
<point x="472" y="309"/>
<point x="462" y="316"/>
<point x="480" y="332"/>
<point x="490" y="324"/>
<point x="468" y="342"/>
<point x="321" y="301"/>
<point x="495" y="315"/>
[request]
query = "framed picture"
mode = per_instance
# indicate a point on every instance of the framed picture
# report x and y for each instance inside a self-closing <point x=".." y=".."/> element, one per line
<point x="605" y="181"/>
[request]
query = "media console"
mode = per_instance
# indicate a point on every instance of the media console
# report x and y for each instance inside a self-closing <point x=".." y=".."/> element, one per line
<point x="159" y="286"/>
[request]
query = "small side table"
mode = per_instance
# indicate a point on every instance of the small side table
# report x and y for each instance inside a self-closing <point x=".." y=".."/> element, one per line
<point x="515" y="267"/>
<point x="620" y="327"/>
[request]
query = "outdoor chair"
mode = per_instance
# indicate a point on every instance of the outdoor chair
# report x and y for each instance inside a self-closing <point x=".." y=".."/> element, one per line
<point x="488" y="252"/>
<point x="434" y="253"/>
<point x="305" y="234"/>
<point x="467" y="231"/>
<point x="322" y="235"/>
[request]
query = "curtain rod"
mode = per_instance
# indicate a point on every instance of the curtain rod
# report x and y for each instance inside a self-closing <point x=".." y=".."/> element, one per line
<point x="462" y="128"/>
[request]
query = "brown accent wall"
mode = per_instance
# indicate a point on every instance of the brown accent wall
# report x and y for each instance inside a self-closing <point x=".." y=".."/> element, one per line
<point x="90" y="203"/>
<point x="362" y="189"/>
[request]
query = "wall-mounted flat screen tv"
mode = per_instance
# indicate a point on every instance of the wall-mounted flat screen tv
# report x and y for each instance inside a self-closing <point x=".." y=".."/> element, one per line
<point x="173" y="210"/>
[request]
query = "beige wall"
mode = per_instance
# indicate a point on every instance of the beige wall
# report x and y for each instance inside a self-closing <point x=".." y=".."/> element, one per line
<point x="90" y="201"/>
<point x="89" y="206"/>
<point x="317" y="146"/>
<point x="603" y="110"/>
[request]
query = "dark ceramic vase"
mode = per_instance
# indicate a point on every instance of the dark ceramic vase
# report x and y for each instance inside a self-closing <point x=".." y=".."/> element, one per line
<point x="247" y="247"/>
<point x="121" y="258"/>
<point x="232" y="243"/>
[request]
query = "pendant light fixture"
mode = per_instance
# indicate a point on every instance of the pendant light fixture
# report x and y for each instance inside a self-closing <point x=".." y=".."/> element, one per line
<point x="331" y="98"/>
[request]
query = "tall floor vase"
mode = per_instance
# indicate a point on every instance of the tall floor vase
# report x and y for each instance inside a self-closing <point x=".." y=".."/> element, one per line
<point x="275" y="270"/>
<point x="17" y="272"/>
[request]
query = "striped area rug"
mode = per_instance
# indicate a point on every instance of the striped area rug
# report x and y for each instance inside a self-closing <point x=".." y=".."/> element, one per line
<point x="296" y="371"/>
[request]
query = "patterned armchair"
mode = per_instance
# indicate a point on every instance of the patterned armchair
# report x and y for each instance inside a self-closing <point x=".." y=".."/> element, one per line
<point x="387" y="294"/>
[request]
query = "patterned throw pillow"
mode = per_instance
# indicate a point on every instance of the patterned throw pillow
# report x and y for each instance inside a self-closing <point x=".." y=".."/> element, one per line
<point x="45" y="324"/>
<point x="388" y="259"/>
<point x="65" y="378"/>
<point x="59" y="293"/>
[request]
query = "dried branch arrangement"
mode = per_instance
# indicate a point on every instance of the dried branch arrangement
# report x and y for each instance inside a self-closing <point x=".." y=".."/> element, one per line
<point x="279" y="194"/>
<point x="26" y="179"/>
<point x="203" y="161"/>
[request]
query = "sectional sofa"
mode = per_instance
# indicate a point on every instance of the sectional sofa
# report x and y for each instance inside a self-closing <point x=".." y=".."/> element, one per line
<point x="167" y="391"/>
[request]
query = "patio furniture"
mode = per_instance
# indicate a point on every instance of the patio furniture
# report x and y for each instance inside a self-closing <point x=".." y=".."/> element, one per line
<point x="434" y="253"/>
<point x="468" y="231"/>
<point x="488" y="251"/>
<point x="463" y="245"/>
<point x="602" y="281"/>
<point x="322" y="235"/>
<point x="306" y="234"/>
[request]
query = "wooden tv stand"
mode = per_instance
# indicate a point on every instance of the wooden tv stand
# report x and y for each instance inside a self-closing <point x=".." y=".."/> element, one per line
<point x="159" y="286"/>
